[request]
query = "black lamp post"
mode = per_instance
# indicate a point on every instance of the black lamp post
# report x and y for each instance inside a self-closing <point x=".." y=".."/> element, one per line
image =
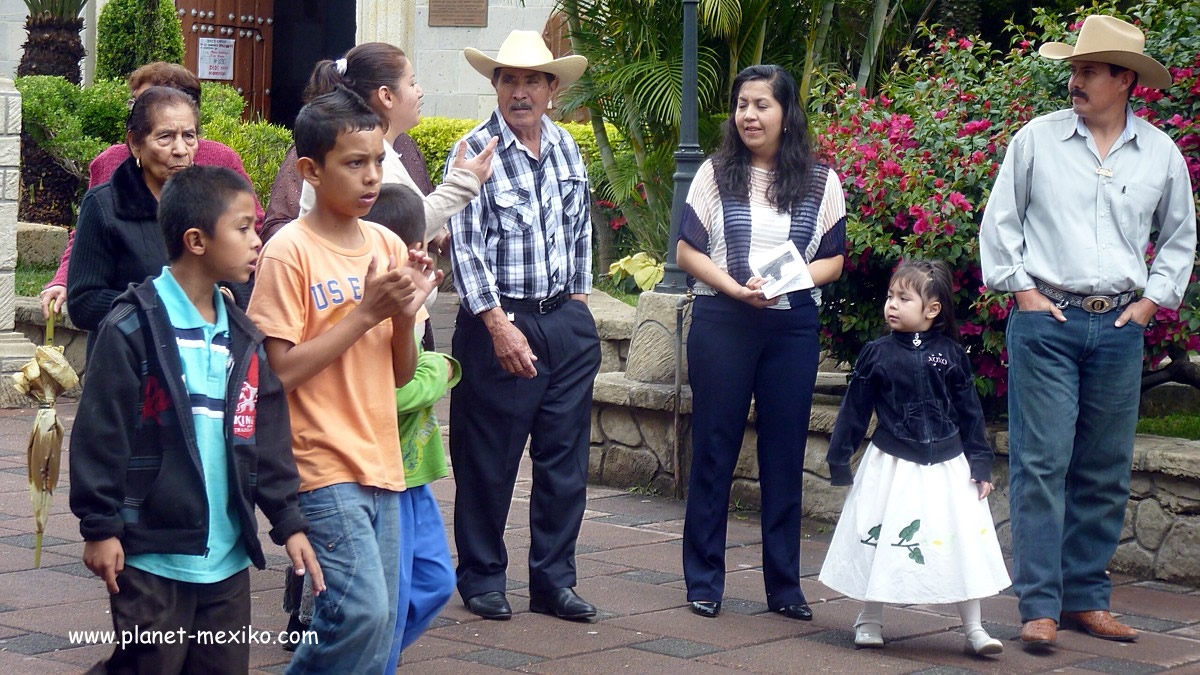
<point x="688" y="156"/>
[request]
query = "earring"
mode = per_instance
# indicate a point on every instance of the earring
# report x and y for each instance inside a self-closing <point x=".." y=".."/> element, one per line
<point x="785" y="130"/>
<point x="138" y="161"/>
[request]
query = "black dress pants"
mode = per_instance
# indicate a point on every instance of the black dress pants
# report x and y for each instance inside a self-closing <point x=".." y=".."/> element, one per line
<point x="492" y="414"/>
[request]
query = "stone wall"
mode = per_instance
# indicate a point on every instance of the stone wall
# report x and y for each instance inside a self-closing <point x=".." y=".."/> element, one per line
<point x="633" y="441"/>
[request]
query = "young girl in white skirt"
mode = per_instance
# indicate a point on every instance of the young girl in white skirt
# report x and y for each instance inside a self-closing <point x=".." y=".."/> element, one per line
<point x="915" y="528"/>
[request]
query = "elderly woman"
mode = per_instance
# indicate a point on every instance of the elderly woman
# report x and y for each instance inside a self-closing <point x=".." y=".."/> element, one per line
<point x="208" y="153"/>
<point x="762" y="189"/>
<point x="118" y="240"/>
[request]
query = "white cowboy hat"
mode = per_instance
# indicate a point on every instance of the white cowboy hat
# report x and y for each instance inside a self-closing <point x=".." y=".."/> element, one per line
<point x="527" y="50"/>
<point x="1107" y="39"/>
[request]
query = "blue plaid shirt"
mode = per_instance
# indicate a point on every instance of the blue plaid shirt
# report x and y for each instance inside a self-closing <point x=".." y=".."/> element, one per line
<point x="528" y="235"/>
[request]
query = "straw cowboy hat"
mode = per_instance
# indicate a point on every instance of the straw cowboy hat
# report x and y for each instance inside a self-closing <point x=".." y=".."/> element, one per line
<point x="526" y="49"/>
<point x="1106" y="39"/>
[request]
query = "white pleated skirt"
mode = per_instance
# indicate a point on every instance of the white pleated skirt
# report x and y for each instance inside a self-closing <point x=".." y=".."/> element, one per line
<point x="914" y="534"/>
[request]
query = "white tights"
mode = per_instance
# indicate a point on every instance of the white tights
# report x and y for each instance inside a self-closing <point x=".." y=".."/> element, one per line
<point x="968" y="610"/>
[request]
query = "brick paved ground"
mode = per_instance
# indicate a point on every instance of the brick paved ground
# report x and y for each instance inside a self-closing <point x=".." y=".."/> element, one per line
<point x="629" y="566"/>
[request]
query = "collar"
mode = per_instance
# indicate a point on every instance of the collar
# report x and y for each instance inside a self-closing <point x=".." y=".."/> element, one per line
<point x="551" y="135"/>
<point x="132" y="198"/>
<point x="181" y="311"/>
<point x="914" y="340"/>
<point x="1129" y="133"/>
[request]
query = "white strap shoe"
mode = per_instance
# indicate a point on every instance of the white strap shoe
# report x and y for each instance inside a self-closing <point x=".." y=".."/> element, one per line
<point x="868" y="635"/>
<point x="982" y="644"/>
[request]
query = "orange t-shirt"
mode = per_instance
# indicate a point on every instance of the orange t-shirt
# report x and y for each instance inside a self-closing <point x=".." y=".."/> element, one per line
<point x="343" y="418"/>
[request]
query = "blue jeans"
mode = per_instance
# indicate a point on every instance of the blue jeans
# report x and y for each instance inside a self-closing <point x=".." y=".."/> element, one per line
<point x="355" y="531"/>
<point x="1072" y="408"/>
<point x="426" y="574"/>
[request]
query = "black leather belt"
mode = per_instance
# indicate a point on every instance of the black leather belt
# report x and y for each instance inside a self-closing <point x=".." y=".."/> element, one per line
<point x="535" y="306"/>
<point x="1096" y="304"/>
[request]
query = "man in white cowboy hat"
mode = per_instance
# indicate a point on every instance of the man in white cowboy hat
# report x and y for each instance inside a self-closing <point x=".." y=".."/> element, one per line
<point x="524" y="336"/>
<point x="1065" y="231"/>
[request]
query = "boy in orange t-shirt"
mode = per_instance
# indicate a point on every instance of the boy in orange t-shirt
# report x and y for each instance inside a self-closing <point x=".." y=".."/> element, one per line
<point x="337" y="298"/>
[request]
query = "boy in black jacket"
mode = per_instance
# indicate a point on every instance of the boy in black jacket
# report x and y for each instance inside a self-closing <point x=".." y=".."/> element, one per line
<point x="169" y="454"/>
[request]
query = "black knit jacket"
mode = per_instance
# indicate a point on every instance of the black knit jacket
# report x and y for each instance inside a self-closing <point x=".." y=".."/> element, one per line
<point x="921" y="388"/>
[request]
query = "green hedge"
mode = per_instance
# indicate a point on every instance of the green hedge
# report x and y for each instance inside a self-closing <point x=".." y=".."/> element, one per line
<point x="261" y="145"/>
<point x="435" y="136"/>
<point x="74" y="124"/>
<point x="128" y="37"/>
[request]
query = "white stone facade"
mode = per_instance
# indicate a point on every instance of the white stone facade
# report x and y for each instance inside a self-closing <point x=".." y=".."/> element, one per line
<point x="452" y="87"/>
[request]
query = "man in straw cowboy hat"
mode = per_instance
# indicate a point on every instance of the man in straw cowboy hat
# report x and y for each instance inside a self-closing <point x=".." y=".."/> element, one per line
<point x="525" y="337"/>
<point x="1065" y="231"/>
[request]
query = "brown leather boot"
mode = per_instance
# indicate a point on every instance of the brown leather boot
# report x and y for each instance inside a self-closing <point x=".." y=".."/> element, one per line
<point x="1039" y="634"/>
<point x="1100" y="623"/>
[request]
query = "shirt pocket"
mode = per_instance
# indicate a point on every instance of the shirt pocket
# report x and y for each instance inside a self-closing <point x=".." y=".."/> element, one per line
<point x="574" y="192"/>
<point x="513" y="210"/>
<point x="1136" y="205"/>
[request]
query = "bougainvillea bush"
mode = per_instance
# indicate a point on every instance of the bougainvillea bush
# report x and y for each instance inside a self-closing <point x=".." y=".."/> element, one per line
<point x="918" y="160"/>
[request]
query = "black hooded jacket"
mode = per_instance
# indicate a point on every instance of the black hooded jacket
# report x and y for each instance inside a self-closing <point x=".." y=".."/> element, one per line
<point x="135" y="465"/>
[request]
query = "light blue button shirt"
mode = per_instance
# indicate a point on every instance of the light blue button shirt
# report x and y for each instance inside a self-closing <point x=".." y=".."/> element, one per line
<point x="1060" y="214"/>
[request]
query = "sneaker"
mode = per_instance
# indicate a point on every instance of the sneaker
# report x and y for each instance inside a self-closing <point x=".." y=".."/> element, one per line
<point x="980" y="643"/>
<point x="868" y="635"/>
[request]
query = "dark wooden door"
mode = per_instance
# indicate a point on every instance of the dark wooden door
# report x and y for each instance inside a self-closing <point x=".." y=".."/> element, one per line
<point x="230" y="41"/>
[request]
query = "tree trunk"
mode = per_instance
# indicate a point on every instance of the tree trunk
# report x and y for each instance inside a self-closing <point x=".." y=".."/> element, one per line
<point x="52" y="48"/>
<point x="871" y="48"/>
<point x="816" y="48"/>
<point x="1180" y="369"/>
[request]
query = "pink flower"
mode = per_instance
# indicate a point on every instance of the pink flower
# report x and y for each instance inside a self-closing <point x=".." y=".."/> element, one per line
<point x="1024" y="44"/>
<point x="977" y="157"/>
<point x="964" y="43"/>
<point x="1176" y="121"/>
<point x="957" y="199"/>
<point x="970" y="329"/>
<point x="974" y="127"/>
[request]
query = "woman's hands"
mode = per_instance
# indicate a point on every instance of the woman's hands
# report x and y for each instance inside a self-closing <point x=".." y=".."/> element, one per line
<point x="53" y="297"/>
<point x="481" y="164"/>
<point x="752" y="295"/>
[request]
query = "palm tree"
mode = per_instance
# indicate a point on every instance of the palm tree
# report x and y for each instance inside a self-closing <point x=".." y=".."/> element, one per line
<point x="54" y="46"/>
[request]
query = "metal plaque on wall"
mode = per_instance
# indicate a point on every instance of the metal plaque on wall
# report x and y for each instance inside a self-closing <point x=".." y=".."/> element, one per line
<point x="470" y="13"/>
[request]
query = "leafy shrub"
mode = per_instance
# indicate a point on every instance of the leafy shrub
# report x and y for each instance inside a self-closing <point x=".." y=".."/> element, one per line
<point x="75" y="124"/>
<point x="132" y="33"/>
<point x="918" y="162"/>
<point x="219" y="100"/>
<point x="436" y="136"/>
<point x="50" y="114"/>
<point x="261" y="145"/>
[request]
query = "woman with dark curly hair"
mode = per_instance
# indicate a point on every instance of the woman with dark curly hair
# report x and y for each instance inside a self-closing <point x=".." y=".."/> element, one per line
<point x="761" y="190"/>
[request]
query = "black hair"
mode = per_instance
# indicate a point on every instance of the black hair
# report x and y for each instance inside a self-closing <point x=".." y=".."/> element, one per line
<point x="322" y="119"/>
<point x="932" y="280"/>
<point x="1115" y="70"/>
<point x="140" y="121"/>
<point x="196" y="197"/>
<point x="794" y="163"/>
<point x="400" y="210"/>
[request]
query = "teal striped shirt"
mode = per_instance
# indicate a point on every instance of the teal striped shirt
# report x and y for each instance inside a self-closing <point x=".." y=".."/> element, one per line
<point x="204" y="352"/>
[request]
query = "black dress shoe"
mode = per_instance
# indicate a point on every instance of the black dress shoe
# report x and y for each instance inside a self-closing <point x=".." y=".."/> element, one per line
<point x="561" y="602"/>
<point x="706" y="608"/>
<point x="491" y="605"/>
<point x="800" y="612"/>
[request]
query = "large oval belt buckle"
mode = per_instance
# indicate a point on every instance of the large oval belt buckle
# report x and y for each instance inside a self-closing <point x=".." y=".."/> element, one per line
<point x="1097" y="304"/>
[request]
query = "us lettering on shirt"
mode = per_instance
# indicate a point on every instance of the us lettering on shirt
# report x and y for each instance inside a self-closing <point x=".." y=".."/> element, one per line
<point x="335" y="292"/>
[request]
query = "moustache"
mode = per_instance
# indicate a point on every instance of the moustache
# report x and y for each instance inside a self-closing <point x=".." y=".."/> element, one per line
<point x="1080" y="94"/>
<point x="520" y="106"/>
